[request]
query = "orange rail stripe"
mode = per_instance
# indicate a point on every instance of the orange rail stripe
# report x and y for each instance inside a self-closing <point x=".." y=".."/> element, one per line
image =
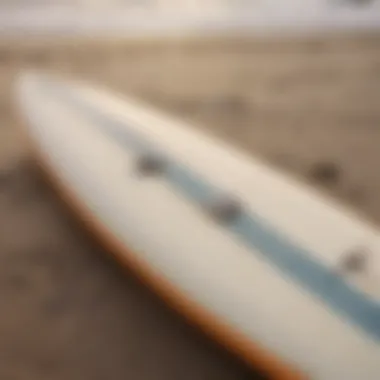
<point x="253" y="354"/>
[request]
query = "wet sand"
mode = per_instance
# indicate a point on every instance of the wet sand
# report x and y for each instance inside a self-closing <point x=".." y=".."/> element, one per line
<point x="68" y="311"/>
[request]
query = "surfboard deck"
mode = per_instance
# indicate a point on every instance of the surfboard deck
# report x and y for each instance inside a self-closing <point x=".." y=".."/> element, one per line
<point x="225" y="268"/>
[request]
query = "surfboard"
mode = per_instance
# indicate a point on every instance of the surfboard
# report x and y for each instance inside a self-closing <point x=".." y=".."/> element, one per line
<point x="283" y="276"/>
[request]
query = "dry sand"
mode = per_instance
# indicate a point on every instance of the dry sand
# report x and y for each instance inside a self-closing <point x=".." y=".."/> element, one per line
<point x="67" y="312"/>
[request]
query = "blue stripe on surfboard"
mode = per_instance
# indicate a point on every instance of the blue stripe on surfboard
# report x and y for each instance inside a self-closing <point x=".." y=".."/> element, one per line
<point x="292" y="260"/>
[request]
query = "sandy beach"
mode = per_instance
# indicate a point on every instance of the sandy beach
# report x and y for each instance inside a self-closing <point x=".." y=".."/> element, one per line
<point x="311" y="107"/>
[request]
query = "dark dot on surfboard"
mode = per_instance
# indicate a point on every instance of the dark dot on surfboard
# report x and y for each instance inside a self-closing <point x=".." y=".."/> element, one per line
<point x="326" y="173"/>
<point x="150" y="164"/>
<point x="355" y="260"/>
<point x="224" y="209"/>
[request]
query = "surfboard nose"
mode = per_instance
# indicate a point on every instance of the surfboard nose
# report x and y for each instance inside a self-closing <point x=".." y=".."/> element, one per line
<point x="32" y="79"/>
<point x="25" y="81"/>
<point x="30" y="84"/>
<point x="28" y="76"/>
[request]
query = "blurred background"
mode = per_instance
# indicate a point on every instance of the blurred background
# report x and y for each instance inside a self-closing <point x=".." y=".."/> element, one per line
<point x="294" y="82"/>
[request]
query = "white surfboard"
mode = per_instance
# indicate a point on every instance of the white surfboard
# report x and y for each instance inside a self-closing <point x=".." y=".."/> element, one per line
<point x="280" y="274"/>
